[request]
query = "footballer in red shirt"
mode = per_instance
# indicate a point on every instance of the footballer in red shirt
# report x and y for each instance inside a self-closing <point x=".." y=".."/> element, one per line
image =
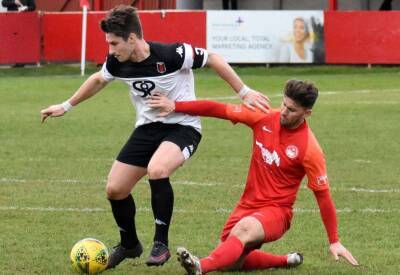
<point x="285" y="150"/>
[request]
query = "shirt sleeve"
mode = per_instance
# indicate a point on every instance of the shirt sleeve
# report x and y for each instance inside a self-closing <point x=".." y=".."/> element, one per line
<point x="242" y="114"/>
<point x="315" y="166"/>
<point x="328" y="214"/>
<point x="106" y="74"/>
<point x="233" y="112"/>
<point x="194" y="57"/>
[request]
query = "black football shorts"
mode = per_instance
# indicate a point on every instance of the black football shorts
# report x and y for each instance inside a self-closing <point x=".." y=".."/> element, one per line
<point x="145" y="140"/>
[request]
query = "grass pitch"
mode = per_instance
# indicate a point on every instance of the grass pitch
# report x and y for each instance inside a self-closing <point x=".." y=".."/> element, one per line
<point x="52" y="176"/>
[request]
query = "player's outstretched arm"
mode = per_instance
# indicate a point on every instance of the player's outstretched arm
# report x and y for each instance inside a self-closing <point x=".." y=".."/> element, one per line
<point x="251" y="98"/>
<point x="89" y="88"/>
<point x="328" y="215"/>
<point x="206" y="108"/>
<point x="338" y="250"/>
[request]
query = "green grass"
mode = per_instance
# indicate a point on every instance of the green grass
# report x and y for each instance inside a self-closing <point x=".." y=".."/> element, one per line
<point x="50" y="173"/>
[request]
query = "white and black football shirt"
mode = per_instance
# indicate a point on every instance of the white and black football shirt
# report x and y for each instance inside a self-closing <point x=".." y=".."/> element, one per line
<point x="168" y="70"/>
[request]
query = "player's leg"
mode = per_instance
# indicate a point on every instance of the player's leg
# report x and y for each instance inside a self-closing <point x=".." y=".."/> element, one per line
<point x="177" y="146"/>
<point x="258" y="259"/>
<point x="247" y="233"/>
<point x="126" y="171"/>
<point x="236" y="250"/>
<point x="164" y="162"/>
<point x="121" y="179"/>
<point x="275" y="222"/>
<point x="229" y="254"/>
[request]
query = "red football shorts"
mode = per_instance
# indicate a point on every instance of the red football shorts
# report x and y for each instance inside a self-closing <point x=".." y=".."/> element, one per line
<point x="275" y="221"/>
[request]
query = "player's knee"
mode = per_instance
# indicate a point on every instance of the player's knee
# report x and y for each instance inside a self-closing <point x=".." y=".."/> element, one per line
<point x="157" y="172"/>
<point x="247" y="231"/>
<point x="241" y="231"/>
<point x="114" y="192"/>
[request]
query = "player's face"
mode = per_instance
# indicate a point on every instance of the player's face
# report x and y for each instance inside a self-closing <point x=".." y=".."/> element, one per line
<point x="292" y="114"/>
<point x="121" y="49"/>
<point x="299" y="30"/>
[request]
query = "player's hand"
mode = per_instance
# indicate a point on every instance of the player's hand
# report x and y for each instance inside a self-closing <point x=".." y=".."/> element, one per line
<point x="52" y="111"/>
<point x="254" y="99"/>
<point x="163" y="103"/>
<point x="337" y="249"/>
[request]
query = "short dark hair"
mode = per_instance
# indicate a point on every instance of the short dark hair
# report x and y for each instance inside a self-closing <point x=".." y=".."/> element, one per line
<point x="122" y="21"/>
<point x="303" y="93"/>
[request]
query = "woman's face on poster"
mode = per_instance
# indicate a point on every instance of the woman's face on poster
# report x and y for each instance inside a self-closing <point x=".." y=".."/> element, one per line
<point x="299" y="30"/>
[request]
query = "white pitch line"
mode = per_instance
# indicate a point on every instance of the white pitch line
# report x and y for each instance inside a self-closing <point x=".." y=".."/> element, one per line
<point x="205" y="184"/>
<point x="196" y="183"/>
<point x="362" y="161"/>
<point x="216" y="211"/>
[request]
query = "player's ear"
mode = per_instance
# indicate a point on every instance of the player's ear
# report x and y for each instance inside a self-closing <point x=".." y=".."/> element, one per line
<point x="132" y="37"/>
<point x="308" y="112"/>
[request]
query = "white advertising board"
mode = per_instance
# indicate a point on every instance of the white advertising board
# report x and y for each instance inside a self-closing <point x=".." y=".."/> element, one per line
<point x="266" y="36"/>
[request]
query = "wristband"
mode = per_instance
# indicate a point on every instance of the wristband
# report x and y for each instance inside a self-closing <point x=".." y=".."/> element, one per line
<point x="243" y="91"/>
<point x="66" y="105"/>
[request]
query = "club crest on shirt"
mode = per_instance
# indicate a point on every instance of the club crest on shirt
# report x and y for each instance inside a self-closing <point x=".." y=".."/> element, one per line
<point x="292" y="151"/>
<point x="161" y="67"/>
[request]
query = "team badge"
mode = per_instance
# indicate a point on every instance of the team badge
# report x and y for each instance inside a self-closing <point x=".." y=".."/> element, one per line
<point x="292" y="152"/>
<point x="161" y="67"/>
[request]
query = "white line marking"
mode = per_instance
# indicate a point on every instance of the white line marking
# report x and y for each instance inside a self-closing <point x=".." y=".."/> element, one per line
<point x="196" y="183"/>
<point x="374" y="190"/>
<point x="362" y="161"/>
<point x="206" y="184"/>
<point x="218" y="210"/>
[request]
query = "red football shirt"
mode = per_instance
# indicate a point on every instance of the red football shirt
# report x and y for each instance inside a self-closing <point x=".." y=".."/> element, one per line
<point x="281" y="158"/>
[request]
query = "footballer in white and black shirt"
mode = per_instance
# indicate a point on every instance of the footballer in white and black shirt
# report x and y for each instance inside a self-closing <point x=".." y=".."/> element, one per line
<point x="168" y="70"/>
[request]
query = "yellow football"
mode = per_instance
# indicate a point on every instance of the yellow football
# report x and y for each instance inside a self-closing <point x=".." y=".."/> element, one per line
<point x="89" y="256"/>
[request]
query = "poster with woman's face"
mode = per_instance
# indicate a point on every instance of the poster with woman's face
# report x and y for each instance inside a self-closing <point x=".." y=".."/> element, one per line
<point x="267" y="36"/>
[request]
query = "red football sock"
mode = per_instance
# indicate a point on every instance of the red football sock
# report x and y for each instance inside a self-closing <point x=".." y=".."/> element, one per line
<point x="258" y="259"/>
<point x="225" y="255"/>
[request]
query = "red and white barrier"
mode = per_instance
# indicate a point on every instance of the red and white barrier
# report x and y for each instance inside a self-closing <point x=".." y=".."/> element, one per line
<point x="367" y="37"/>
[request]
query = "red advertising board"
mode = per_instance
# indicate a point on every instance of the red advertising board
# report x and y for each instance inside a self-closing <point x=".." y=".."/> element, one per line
<point x="19" y="37"/>
<point x="62" y="33"/>
<point x="366" y="37"/>
<point x="62" y="36"/>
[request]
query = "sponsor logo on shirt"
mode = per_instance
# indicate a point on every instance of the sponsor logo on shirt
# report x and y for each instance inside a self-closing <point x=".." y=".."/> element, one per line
<point x="292" y="151"/>
<point x="322" y="180"/>
<point x="144" y="86"/>
<point x="269" y="157"/>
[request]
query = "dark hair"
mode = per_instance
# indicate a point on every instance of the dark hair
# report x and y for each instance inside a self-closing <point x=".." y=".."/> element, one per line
<point x="122" y="21"/>
<point x="303" y="93"/>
